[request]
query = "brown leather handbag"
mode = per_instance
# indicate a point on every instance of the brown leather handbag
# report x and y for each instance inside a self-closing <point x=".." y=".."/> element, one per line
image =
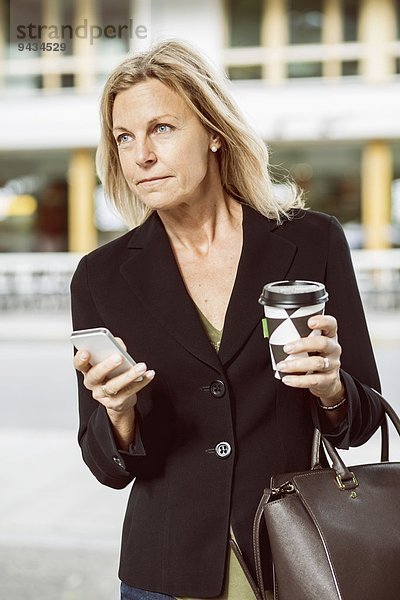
<point x="334" y="532"/>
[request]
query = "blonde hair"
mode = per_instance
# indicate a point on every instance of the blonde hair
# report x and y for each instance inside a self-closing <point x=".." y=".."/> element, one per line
<point x="243" y="156"/>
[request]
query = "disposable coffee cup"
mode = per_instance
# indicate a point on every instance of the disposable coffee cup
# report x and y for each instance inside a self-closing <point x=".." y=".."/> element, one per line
<point x="288" y="305"/>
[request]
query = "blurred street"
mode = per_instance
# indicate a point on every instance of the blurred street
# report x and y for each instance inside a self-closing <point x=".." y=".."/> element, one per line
<point x="59" y="528"/>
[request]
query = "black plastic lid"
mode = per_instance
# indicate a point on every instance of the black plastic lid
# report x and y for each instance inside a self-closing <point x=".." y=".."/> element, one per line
<point x="292" y="294"/>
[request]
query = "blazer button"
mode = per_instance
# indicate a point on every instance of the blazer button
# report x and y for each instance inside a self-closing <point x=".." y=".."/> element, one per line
<point x="119" y="462"/>
<point x="223" y="449"/>
<point x="218" y="388"/>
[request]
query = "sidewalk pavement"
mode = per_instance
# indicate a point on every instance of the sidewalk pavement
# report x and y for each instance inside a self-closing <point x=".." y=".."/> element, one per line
<point x="59" y="528"/>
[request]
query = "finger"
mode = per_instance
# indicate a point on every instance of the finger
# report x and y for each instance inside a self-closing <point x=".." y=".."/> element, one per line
<point x="311" y="363"/>
<point x="317" y="382"/>
<point x="121" y="343"/>
<point x="147" y="378"/>
<point x="113" y="396"/>
<point x="82" y="361"/>
<point x="128" y="379"/>
<point x="314" y="343"/>
<point x="325" y="323"/>
<point x="103" y="370"/>
<point x="136" y="385"/>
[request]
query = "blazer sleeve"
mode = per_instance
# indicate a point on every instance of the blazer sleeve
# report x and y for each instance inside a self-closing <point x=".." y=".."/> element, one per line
<point x="95" y="436"/>
<point x="358" y="368"/>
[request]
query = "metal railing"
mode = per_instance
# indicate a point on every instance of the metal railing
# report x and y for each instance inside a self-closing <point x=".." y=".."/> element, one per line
<point x="378" y="277"/>
<point x="39" y="282"/>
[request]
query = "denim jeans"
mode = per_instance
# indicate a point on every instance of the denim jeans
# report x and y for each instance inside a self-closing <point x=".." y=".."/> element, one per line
<point x="130" y="593"/>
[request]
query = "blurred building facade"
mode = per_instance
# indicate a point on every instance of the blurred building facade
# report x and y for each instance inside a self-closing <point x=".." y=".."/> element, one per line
<point x="319" y="80"/>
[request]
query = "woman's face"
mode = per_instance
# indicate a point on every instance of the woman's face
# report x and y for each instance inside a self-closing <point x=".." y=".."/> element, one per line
<point x="163" y="148"/>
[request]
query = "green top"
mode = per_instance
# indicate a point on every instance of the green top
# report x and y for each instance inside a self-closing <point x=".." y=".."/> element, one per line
<point x="214" y="334"/>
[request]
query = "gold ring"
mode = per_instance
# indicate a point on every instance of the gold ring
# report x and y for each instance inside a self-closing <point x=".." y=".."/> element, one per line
<point x="107" y="394"/>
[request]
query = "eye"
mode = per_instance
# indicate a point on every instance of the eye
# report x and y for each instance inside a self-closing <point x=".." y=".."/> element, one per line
<point x="163" y="128"/>
<point x="123" y="138"/>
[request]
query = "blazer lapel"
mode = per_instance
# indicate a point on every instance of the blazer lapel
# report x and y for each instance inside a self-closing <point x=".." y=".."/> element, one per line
<point x="265" y="257"/>
<point x="153" y="275"/>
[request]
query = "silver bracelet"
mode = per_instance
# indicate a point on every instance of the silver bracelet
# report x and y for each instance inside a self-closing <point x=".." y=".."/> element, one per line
<point x="334" y="406"/>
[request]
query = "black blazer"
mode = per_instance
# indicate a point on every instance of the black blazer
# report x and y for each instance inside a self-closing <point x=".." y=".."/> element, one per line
<point x="185" y="495"/>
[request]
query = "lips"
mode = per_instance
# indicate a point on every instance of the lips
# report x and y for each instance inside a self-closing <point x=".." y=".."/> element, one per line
<point x="150" y="179"/>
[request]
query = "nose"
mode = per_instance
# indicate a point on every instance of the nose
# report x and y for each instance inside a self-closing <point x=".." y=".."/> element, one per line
<point x="144" y="154"/>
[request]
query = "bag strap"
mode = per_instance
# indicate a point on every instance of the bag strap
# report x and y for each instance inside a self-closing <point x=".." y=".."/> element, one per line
<point x="384" y="440"/>
<point x="337" y="462"/>
<point x="390" y="412"/>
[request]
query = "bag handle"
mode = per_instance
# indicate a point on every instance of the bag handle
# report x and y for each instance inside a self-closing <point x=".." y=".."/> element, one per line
<point x="337" y="463"/>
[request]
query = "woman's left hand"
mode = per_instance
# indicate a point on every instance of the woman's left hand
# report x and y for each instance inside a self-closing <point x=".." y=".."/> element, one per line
<point x="318" y="373"/>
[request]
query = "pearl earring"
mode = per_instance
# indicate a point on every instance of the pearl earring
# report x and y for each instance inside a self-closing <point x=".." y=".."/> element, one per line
<point x="213" y="148"/>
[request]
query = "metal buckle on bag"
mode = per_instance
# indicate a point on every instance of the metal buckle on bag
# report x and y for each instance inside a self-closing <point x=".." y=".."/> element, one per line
<point x="347" y="484"/>
<point x="286" y="488"/>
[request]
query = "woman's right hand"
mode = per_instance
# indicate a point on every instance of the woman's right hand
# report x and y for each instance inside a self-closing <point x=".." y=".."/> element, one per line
<point x="117" y="394"/>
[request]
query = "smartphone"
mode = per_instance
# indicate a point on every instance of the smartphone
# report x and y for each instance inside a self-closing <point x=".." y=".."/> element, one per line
<point x="101" y="343"/>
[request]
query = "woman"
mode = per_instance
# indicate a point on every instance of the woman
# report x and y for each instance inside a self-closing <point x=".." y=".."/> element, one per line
<point x="205" y="428"/>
